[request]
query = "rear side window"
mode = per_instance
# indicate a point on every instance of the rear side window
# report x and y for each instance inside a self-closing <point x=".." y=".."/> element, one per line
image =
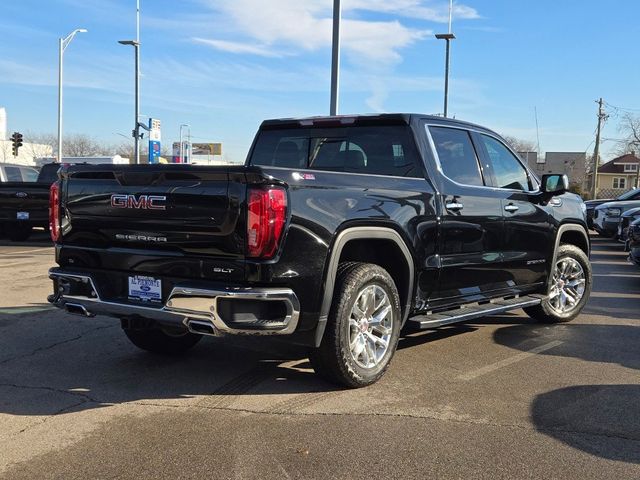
<point x="367" y="150"/>
<point x="457" y="155"/>
<point x="29" y="175"/>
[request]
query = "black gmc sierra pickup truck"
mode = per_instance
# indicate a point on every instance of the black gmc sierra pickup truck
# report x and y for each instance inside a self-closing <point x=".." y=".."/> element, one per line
<point x="335" y="234"/>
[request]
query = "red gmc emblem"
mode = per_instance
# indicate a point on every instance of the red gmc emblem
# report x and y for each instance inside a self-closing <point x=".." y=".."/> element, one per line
<point x="139" y="202"/>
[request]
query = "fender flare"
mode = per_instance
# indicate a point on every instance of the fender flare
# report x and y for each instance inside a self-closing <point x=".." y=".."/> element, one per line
<point x="358" y="233"/>
<point x="561" y="230"/>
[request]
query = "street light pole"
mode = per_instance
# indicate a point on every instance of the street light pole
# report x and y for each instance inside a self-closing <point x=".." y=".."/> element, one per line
<point x="63" y="43"/>
<point x="136" y="129"/>
<point x="136" y="46"/>
<point x="448" y="37"/>
<point x="335" y="58"/>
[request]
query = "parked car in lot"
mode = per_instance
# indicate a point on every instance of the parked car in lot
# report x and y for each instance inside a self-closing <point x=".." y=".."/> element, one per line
<point x="633" y="242"/>
<point x="592" y="204"/>
<point x="335" y="234"/>
<point x="626" y="219"/>
<point x="24" y="199"/>
<point x="607" y="216"/>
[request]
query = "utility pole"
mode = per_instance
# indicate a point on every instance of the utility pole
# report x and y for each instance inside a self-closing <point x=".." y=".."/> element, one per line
<point x="596" y="152"/>
<point x="335" y="58"/>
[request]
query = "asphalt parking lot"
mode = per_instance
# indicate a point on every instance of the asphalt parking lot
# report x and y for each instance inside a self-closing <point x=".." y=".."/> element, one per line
<point x="501" y="397"/>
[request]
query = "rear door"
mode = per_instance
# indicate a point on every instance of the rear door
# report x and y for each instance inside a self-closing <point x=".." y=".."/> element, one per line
<point x="528" y="234"/>
<point x="471" y="225"/>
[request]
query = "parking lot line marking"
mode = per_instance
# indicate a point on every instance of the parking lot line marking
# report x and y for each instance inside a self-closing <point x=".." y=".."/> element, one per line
<point x="23" y="252"/>
<point x="14" y="264"/>
<point x="23" y="310"/>
<point x="508" y="361"/>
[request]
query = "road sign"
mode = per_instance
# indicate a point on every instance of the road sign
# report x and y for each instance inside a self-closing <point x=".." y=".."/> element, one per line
<point x="207" y="149"/>
<point x="155" y="137"/>
<point x="155" y="133"/>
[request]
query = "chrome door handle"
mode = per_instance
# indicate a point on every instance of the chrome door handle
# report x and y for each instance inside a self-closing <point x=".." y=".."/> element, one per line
<point x="455" y="206"/>
<point x="511" y="208"/>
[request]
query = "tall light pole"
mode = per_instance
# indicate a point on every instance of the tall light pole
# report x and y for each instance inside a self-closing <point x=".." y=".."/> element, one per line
<point x="335" y="58"/>
<point x="136" y="45"/>
<point x="447" y="37"/>
<point x="136" y="128"/>
<point x="62" y="46"/>
<point x="182" y="141"/>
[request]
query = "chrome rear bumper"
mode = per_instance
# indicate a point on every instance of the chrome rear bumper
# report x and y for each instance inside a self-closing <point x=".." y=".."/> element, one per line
<point x="195" y="308"/>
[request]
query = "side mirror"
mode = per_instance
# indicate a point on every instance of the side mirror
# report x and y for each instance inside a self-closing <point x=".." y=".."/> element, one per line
<point x="555" y="184"/>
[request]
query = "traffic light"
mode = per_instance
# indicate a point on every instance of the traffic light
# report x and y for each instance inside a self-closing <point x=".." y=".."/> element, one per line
<point x="16" y="143"/>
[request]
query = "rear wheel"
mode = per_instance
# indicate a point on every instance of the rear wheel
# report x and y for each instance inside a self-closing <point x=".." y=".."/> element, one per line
<point x="19" y="233"/>
<point x="162" y="340"/>
<point x="570" y="287"/>
<point x="363" y="327"/>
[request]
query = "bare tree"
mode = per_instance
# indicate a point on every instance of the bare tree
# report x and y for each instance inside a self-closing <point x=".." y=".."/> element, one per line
<point x="40" y="145"/>
<point x="80" y="145"/>
<point x="520" y="145"/>
<point x="6" y="151"/>
<point x="630" y="128"/>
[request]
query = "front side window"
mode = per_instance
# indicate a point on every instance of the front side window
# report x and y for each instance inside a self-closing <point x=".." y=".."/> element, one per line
<point x="507" y="171"/>
<point x="456" y="155"/>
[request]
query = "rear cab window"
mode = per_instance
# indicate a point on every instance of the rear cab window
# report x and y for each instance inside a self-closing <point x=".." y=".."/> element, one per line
<point x="371" y="150"/>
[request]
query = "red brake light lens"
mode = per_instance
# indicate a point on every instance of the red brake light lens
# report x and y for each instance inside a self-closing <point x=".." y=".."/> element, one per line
<point x="54" y="211"/>
<point x="266" y="219"/>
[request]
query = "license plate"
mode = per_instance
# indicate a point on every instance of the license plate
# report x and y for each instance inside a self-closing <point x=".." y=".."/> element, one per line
<point x="22" y="215"/>
<point x="146" y="289"/>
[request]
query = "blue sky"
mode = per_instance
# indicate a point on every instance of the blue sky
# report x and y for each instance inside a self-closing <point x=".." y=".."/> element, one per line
<point x="223" y="66"/>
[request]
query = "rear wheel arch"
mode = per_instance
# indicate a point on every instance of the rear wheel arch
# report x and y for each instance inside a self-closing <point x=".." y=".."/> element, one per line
<point x="381" y="246"/>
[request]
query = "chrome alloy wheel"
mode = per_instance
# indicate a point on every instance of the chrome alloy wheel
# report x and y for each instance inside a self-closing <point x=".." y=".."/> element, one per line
<point x="370" y="326"/>
<point x="568" y="285"/>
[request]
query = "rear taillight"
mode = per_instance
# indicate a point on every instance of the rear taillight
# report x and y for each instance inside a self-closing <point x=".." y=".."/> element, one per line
<point x="54" y="211"/>
<point x="266" y="218"/>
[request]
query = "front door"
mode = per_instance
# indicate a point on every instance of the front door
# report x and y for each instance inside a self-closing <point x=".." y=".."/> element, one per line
<point x="471" y="222"/>
<point x="527" y="243"/>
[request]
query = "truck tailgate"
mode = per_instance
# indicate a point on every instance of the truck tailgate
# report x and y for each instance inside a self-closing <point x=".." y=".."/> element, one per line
<point x="186" y="210"/>
<point x="27" y="198"/>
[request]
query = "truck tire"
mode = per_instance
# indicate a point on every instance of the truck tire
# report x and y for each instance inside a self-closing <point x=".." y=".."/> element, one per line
<point x="362" y="329"/>
<point x="570" y="287"/>
<point x="19" y="233"/>
<point x="162" y="341"/>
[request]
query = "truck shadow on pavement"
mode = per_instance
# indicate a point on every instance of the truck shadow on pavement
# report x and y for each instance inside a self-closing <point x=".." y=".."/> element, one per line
<point x="602" y="420"/>
<point x="51" y="366"/>
<point x="617" y="344"/>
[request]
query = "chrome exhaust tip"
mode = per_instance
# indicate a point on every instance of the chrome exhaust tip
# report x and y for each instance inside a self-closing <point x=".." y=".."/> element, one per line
<point x="201" y="328"/>
<point x="77" y="309"/>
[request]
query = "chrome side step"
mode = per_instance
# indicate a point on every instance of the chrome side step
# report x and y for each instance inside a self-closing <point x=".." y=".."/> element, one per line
<point x="469" y="312"/>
